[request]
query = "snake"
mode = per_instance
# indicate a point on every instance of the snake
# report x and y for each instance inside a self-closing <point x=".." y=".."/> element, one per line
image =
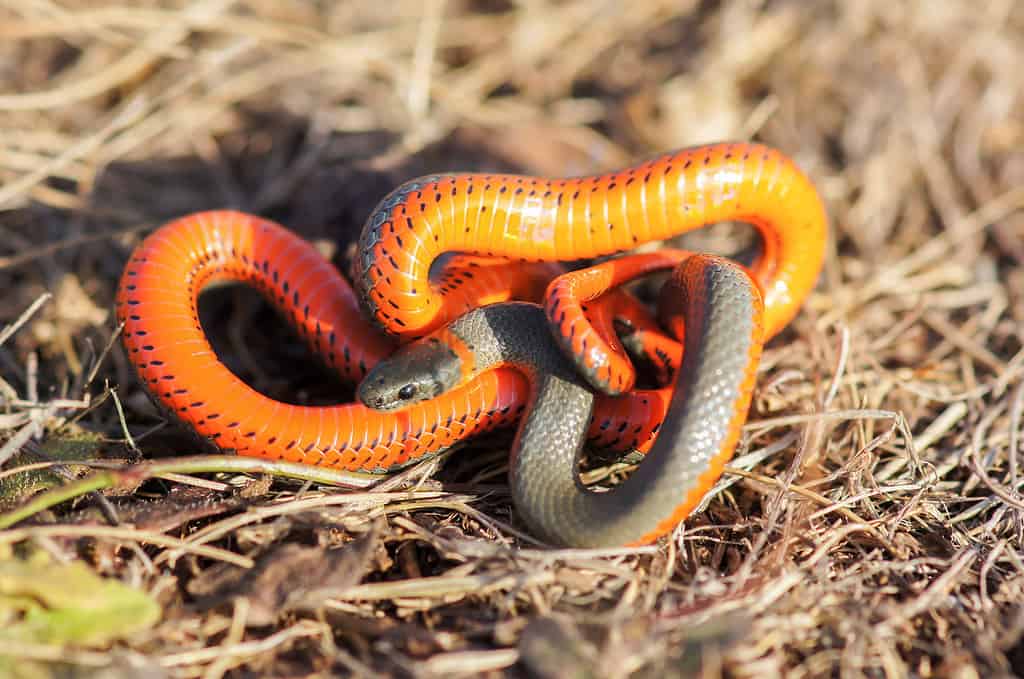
<point x="509" y="226"/>
<point x="157" y="308"/>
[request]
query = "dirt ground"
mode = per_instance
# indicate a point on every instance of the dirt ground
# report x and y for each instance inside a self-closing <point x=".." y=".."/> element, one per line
<point x="871" y="522"/>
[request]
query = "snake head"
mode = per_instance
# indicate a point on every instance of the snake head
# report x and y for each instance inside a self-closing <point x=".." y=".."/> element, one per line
<point x="418" y="371"/>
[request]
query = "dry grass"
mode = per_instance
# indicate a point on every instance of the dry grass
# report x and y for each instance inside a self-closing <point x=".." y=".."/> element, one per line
<point x="872" y="525"/>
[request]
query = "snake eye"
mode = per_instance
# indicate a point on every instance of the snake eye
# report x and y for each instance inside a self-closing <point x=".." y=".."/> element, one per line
<point x="407" y="392"/>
